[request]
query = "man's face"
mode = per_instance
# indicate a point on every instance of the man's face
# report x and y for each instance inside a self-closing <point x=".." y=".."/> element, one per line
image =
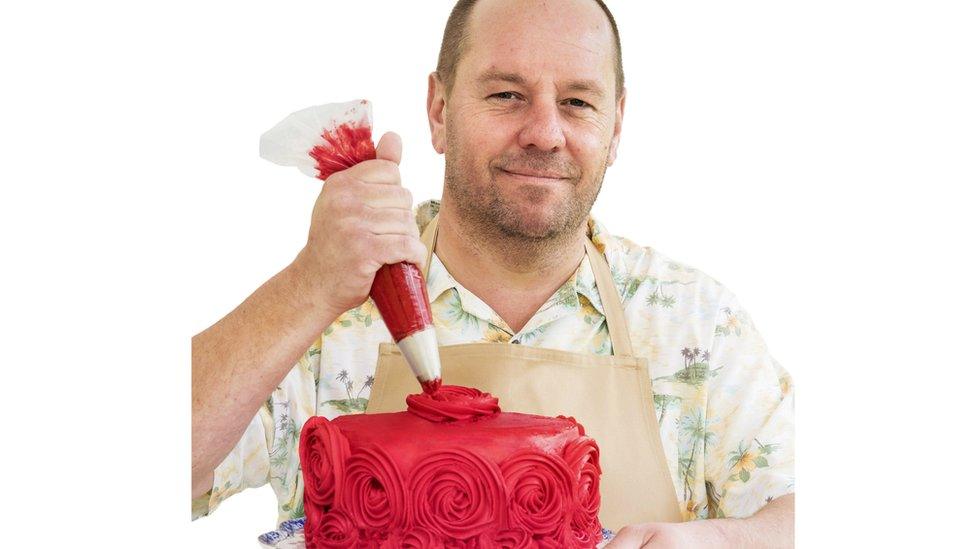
<point x="532" y="121"/>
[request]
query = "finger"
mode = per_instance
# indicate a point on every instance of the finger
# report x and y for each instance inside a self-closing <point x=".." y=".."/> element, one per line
<point x="390" y="147"/>
<point x="391" y="221"/>
<point x="393" y="249"/>
<point x="387" y="196"/>
<point x="626" y="538"/>
<point x="377" y="171"/>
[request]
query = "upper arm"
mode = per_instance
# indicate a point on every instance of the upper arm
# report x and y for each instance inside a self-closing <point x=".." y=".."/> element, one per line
<point x="750" y="399"/>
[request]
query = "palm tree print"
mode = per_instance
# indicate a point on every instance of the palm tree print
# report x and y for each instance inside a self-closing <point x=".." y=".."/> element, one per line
<point x="696" y="369"/>
<point x="658" y="297"/>
<point x="352" y="403"/>
<point x="454" y="313"/>
<point x="663" y="402"/>
<point x="286" y="435"/>
<point x="743" y="460"/>
<point x="695" y="428"/>
<point x="628" y="286"/>
<point x="713" y="497"/>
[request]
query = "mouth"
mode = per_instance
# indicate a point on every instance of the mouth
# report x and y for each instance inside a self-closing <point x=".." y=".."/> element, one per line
<point x="541" y="177"/>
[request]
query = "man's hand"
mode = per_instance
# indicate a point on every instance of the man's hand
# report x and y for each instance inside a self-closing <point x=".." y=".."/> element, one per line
<point x="771" y="526"/>
<point x="667" y="535"/>
<point x="362" y="220"/>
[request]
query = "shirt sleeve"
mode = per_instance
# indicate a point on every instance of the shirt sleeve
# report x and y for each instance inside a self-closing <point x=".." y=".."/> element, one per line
<point x="749" y="462"/>
<point x="267" y="452"/>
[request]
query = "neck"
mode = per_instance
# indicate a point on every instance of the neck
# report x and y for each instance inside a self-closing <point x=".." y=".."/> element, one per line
<point x="512" y="276"/>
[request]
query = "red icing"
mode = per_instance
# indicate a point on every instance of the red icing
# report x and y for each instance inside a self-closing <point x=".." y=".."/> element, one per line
<point x="398" y="290"/>
<point x="540" y="490"/>
<point x="457" y="494"/>
<point x="452" y="403"/>
<point x="344" y="147"/>
<point x="430" y="387"/>
<point x="400" y="295"/>
<point x="323" y="452"/>
<point x="373" y="492"/>
<point x="490" y="479"/>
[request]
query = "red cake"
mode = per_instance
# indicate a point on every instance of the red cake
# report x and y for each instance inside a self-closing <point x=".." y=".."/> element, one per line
<point x="452" y="471"/>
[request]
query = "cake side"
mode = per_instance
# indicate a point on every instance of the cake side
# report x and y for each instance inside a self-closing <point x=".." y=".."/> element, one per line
<point x="429" y="479"/>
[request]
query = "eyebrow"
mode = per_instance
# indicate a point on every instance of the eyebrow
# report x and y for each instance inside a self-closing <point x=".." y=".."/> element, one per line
<point x="590" y="86"/>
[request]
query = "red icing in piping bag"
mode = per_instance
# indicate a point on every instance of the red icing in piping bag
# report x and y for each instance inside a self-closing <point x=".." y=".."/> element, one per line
<point x="345" y="147"/>
<point x="398" y="290"/>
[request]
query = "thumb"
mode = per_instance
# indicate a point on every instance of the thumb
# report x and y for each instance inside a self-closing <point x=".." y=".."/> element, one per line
<point x="390" y="147"/>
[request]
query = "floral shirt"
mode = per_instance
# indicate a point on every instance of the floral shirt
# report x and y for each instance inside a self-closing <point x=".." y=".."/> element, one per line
<point x="724" y="405"/>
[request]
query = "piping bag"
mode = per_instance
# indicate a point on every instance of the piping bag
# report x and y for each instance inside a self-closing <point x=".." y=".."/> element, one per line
<point x="325" y="139"/>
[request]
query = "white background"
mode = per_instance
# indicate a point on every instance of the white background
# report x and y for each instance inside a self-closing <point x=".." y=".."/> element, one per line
<point x="814" y="157"/>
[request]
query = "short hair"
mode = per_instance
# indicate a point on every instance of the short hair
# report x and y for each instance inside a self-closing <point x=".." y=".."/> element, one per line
<point x="456" y="34"/>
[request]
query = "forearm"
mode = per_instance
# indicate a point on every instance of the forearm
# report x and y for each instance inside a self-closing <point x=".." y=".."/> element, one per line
<point x="239" y="361"/>
<point x="771" y="526"/>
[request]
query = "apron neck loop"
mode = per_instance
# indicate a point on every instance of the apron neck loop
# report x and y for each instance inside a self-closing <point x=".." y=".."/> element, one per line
<point x="612" y="308"/>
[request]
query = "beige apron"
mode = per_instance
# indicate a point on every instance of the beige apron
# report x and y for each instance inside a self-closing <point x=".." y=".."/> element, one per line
<point x="609" y="395"/>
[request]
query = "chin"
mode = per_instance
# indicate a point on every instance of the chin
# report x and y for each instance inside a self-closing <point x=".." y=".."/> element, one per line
<point x="532" y="224"/>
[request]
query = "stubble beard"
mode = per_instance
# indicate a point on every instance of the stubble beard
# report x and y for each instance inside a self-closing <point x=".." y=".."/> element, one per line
<point x="491" y="221"/>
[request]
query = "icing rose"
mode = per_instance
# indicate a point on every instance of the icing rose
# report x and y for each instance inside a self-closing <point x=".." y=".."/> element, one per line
<point x="583" y="458"/>
<point x="372" y="491"/>
<point x="457" y="494"/>
<point x="452" y="403"/>
<point x="513" y="538"/>
<point x="583" y="538"/>
<point x="549" y="543"/>
<point x="336" y="531"/>
<point x="478" y="542"/>
<point x="322" y="451"/>
<point x="418" y="538"/>
<point x="540" y="491"/>
<point x="314" y="514"/>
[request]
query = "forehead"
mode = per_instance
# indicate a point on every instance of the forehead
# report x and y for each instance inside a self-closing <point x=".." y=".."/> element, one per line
<point x="554" y="39"/>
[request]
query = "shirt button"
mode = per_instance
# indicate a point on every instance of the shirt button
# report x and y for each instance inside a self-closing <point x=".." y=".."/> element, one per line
<point x="516" y="342"/>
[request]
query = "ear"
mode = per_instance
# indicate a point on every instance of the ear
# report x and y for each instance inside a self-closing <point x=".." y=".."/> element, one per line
<point x="436" y="107"/>
<point x="618" y="122"/>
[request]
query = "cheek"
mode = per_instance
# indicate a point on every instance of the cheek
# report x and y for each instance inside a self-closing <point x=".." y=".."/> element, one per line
<point x="590" y="150"/>
<point x="479" y="140"/>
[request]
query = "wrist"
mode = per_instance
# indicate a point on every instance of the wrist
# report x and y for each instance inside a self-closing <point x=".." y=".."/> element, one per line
<point x="727" y="532"/>
<point x="311" y="288"/>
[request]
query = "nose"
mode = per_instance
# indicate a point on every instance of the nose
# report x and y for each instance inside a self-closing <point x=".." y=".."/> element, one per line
<point x="542" y="127"/>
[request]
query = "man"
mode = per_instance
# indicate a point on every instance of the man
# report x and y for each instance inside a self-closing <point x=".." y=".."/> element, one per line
<point x="526" y="105"/>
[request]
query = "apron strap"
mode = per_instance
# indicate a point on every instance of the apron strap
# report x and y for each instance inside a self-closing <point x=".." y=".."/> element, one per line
<point x="612" y="308"/>
<point x="428" y="238"/>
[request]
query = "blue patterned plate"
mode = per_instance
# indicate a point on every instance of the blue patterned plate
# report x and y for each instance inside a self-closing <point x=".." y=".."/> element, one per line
<point x="290" y="535"/>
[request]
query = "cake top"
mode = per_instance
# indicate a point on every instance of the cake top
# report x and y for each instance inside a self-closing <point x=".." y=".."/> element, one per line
<point x="458" y="417"/>
<point x="452" y="403"/>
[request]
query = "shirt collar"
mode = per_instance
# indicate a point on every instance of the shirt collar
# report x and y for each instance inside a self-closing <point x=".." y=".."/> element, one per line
<point x="566" y="300"/>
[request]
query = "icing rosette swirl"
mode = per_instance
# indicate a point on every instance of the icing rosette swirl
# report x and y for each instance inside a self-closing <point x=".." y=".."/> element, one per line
<point x="583" y="458"/>
<point x="513" y="538"/>
<point x="373" y="493"/>
<point x="314" y="514"/>
<point x="419" y="538"/>
<point x="540" y="489"/>
<point x="335" y="531"/>
<point x="322" y="451"/>
<point x="452" y="403"/>
<point x="457" y="494"/>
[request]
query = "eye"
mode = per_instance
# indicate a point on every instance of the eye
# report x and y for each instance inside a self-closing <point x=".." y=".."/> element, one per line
<point x="503" y="95"/>
<point x="578" y="103"/>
